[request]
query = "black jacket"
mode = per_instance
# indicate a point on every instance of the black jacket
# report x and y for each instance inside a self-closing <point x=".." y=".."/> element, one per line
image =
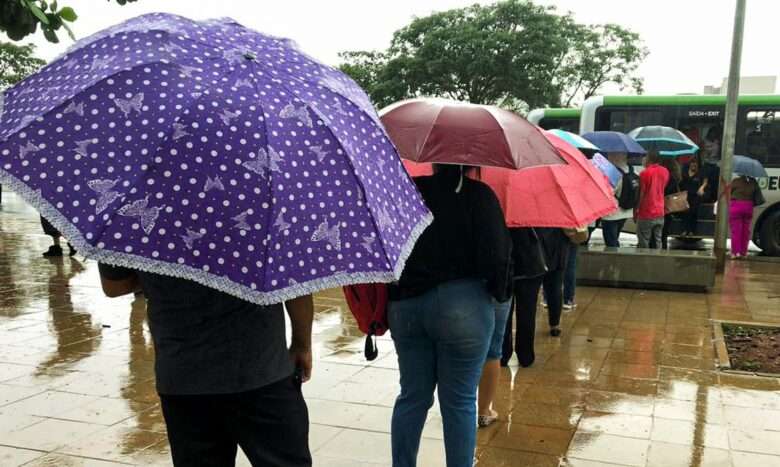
<point x="467" y="239"/>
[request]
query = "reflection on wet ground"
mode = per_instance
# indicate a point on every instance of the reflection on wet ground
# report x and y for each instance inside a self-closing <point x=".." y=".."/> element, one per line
<point x="631" y="383"/>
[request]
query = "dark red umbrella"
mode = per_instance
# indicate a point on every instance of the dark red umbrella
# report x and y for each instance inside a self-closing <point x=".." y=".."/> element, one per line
<point x="449" y="132"/>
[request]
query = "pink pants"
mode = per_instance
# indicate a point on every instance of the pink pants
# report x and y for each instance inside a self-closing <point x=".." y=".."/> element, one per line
<point x="740" y="218"/>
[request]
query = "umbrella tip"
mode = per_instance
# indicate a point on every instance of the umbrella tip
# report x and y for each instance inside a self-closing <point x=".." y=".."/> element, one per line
<point x="250" y="56"/>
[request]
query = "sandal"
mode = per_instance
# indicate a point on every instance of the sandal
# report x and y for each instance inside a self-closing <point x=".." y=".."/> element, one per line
<point x="487" y="420"/>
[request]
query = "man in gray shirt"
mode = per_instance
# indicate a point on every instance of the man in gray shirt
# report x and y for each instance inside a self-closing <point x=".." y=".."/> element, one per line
<point x="224" y="373"/>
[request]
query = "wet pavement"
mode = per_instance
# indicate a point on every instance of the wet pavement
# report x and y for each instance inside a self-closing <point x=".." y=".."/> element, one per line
<point x="632" y="381"/>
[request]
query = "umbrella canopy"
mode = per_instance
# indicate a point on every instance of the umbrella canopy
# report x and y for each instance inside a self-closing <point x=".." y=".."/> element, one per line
<point x="666" y="140"/>
<point x="449" y="132"/>
<point x="614" y="141"/>
<point x="585" y="146"/>
<point x="606" y="167"/>
<point x="211" y="152"/>
<point x="748" y="167"/>
<point x="570" y="195"/>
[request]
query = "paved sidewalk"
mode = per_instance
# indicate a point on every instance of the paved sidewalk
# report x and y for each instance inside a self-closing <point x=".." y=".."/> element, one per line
<point x="631" y="382"/>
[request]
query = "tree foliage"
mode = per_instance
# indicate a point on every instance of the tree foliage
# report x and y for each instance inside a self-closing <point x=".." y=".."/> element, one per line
<point x="513" y="53"/>
<point x="20" y="18"/>
<point x="16" y="63"/>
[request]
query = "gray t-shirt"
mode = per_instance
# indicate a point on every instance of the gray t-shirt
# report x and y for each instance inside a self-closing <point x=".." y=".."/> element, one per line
<point x="209" y="342"/>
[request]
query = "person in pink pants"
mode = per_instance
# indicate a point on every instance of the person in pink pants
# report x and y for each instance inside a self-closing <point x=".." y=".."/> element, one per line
<point x="743" y="192"/>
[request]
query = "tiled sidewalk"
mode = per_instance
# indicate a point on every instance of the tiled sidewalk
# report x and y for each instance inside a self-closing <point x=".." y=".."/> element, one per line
<point x="632" y="381"/>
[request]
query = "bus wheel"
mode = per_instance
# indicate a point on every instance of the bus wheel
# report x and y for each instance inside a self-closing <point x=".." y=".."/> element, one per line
<point x="770" y="234"/>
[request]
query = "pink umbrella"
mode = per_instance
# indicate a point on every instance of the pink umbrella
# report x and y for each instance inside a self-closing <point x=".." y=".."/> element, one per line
<point x="449" y="132"/>
<point x="568" y="195"/>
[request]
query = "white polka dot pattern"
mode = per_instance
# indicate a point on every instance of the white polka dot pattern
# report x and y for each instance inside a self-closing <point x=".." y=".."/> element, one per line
<point x="208" y="151"/>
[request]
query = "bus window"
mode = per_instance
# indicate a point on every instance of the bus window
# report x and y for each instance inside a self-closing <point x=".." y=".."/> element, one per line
<point x="571" y="125"/>
<point x="762" y="136"/>
<point x="626" y="120"/>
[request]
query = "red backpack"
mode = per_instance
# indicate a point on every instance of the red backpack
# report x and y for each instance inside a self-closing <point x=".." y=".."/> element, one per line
<point x="368" y="303"/>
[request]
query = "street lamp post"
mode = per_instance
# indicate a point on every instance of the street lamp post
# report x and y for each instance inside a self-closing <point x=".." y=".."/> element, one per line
<point x="729" y="135"/>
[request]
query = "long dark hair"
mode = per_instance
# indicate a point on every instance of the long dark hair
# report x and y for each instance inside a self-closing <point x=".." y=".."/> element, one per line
<point x="673" y="167"/>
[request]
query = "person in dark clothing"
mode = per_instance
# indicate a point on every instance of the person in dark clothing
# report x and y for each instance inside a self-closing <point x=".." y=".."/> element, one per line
<point x="672" y="187"/>
<point x="540" y="257"/>
<point x="224" y="373"/>
<point x="442" y="316"/>
<point x="693" y="181"/>
<point x="55" y="249"/>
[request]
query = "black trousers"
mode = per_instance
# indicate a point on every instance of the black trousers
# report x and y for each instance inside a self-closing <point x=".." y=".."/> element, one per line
<point x="526" y="298"/>
<point x="271" y="424"/>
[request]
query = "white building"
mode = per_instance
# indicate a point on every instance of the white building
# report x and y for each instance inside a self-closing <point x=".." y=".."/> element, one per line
<point x="747" y="85"/>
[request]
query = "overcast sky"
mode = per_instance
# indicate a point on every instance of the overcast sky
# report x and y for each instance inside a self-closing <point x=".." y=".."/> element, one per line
<point x="689" y="40"/>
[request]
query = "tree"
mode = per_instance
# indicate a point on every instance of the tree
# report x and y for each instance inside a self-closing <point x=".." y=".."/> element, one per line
<point x="16" y="63"/>
<point x="20" y="18"/>
<point x="601" y="54"/>
<point x="512" y="53"/>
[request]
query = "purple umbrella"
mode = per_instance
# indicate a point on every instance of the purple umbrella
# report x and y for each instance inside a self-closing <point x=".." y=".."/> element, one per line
<point x="211" y="152"/>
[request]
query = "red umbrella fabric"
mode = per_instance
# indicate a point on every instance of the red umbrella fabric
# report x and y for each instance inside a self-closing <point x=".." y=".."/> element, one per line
<point x="450" y="132"/>
<point x="571" y="195"/>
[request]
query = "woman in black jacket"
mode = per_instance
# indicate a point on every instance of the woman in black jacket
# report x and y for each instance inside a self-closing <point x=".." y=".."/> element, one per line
<point x="442" y="315"/>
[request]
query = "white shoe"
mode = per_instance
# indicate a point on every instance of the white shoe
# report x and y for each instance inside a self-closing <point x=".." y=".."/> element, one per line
<point x="487" y="420"/>
<point x="569" y="305"/>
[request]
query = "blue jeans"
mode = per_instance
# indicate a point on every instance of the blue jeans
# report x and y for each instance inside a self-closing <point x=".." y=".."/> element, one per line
<point x="441" y="338"/>
<point x="570" y="274"/>
<point x="611" y="231"/>
<point x="497" y="341"/>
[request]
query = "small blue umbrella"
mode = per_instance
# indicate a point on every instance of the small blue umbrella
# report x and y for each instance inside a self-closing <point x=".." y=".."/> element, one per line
<point x="585" y="146"/>
<point x="614" y="141"/>
<point x="748" y="167"/>
<point x="667" y="141"/>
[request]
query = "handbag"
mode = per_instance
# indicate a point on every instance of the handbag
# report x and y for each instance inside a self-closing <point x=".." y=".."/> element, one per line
<point x="676" y="202"/>
<point x="758" y="196"/>
<point x="577" y="236"/>
<point x="530" y="259"/>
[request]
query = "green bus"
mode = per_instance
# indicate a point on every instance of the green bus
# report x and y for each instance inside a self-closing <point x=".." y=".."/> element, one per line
<point x="701" y="118"/>
<point x="562" y="119"/>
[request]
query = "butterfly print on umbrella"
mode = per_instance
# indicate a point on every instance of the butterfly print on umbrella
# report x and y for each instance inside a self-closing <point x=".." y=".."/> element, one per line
<point x="301" y="114"/>
<point x="190" y="238"/>
<point x="241" y="222"/>
<point x="187" y="70"/>
<point x="280" y="223"/>
<point x="128" y="105"/>
<point x="331" y="234"/>
<point x="82" y="147"/>
<point x="27" y="149"/>
<point x="179" y="131"/>
<point x="75" y="108"/>
<point x="140" y="209"/>
<point x="101" y="63"/>
<point x="213" y="184"/>
<point x="266" y="161"/>
<point x="368" y="243"/>
<point x="107" y="194"/>
<point x="172" y="48"/>
<point x="319" y="152"/>
<point x="227" y="116"/>
<point x="244" y="83"/>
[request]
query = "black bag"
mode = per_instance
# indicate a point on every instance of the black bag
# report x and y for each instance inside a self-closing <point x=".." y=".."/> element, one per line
<point x="758" y="196"/>
<point x="528" y="252"/>
<point x="629" y="191"/>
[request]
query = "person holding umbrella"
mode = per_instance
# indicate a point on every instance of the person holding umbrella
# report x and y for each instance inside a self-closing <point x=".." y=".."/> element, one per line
<point x="455" y="289"/>
<point x="187" y="170"/>
<point x="745" y="196"/>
